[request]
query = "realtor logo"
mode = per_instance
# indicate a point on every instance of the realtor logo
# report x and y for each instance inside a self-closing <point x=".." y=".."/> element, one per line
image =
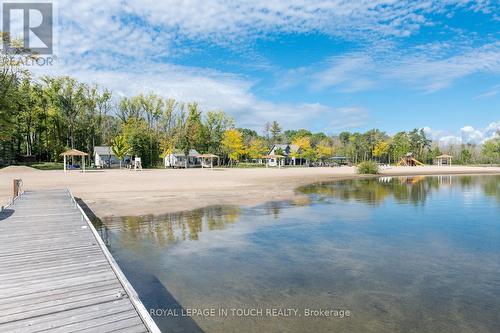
<point x="28" y="27"/>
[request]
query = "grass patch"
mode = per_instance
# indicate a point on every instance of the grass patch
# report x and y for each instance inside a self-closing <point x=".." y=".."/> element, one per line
<point x="47" y="166"/>
<point x="367" y="168"/>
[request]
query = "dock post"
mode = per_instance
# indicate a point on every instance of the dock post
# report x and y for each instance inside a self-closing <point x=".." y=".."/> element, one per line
<point x="16" y="182"/>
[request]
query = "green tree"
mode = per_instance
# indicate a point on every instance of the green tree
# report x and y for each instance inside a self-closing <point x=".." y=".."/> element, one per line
<point x="418" y="142"/>
<point x="213" y="128"/>
<point x="491" y="150"/>
<point x="70" y="99"/>
<point x="11" y="76"/>
<point x="290" y="135"/>
<point x="465" y="156"/>
<point x="344" y="140"/>
<point x="370" y="140"/>
<point x="401" y="145"/>
<point x="129" y="107"/>
<point x="275" y="132"/>
<point x="136" y="134"/>
<point x="192" y="131"/>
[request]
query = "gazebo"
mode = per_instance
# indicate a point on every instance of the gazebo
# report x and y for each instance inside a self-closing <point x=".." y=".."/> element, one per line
<point x="74" y="152"/>
<point x="273" y="159"/>
<point x="206" y="157"/>
<point x="443" y="159"/>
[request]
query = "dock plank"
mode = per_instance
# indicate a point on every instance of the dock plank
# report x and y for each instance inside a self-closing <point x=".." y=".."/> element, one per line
<point x="57" y="275"/>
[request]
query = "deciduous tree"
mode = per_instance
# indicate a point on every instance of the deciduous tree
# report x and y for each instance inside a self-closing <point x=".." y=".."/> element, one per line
<point x="232" y="144"/>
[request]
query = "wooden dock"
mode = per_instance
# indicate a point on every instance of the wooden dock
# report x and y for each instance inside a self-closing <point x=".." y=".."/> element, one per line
<point x="56" y="274"/>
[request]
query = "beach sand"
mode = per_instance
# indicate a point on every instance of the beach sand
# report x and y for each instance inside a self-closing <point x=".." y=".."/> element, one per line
<point x="159" y="191"/>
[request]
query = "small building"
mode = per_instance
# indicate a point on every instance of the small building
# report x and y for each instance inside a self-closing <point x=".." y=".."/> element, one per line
<point x="443" y="159"/>
<point x="105" y="158"/>
<point x="178" y="159"/>
<point x="72" y="153"/>
<point x="287" y="151"/>
<point x="204" y="158"/>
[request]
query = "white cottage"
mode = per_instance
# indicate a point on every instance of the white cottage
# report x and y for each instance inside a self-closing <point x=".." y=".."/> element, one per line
<point x="286" y="150"/>
<point x="180" y="160"/>
<point x="105" y="158"/>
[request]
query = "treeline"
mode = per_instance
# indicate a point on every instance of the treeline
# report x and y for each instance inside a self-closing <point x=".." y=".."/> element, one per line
<point x="41" y="118"/>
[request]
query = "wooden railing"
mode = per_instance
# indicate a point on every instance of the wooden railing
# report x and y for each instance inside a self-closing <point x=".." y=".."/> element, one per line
<point x="132" y="294"/>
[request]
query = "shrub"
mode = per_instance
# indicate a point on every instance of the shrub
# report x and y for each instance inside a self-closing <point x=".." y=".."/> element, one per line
<point x="368" y="167"/>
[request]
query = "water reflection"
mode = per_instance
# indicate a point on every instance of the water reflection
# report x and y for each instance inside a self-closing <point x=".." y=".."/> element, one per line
<point x="435" y="270"/>
<point x="414" y="190"/>
<point x="169" y="229"/>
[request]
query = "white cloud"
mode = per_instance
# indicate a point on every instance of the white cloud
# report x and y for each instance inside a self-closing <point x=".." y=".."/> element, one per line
<point x="425" y="68"/>
<point x="471" y="135"/>
<point x="153" y="29"/>
<point x="492" y="130"/>
<point x="434" y="73"/>
<point x="228" y="21"/>
<point x="493" y="91"/>
<point x="216" y="90"/>
<point x="468" y="134"/>
<point x="349" y="72"/>
<point x="127" y="45"/>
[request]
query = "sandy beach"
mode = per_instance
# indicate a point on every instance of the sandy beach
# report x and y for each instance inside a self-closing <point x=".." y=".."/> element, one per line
<point x="122" y="192"/>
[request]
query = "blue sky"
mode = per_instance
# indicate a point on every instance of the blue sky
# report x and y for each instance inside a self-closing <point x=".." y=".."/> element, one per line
<point x="324" y="65"/>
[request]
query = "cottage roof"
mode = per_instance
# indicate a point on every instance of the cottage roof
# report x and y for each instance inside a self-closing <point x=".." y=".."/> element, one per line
<point x="103" y="150"/>
<point x="208" y="156"/>
<point x="193" y="153"/>
<point x="286" y="148"/>
<point x="180" y="153"/>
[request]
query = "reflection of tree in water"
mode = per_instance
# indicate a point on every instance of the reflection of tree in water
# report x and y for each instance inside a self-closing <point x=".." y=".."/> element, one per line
<point x="466" y="182"/>
<point x="274" y="208"/>
<point x="171" y="228"/>
<point x="403" y="189"/>
<point x="413" y="189"/>
<point x="174" y="227"/>
<point x="491" y="187"/>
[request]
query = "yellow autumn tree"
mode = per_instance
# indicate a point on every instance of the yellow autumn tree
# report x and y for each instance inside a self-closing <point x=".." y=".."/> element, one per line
<point x="256" y="148"/>
<point x="381" y="149"/>
<point x="305" y="150"/>
<point x="166" y="146"/>
<point x="302" y="143"/>
<point x="324" y="150"/>
<point x="232" y="144"/>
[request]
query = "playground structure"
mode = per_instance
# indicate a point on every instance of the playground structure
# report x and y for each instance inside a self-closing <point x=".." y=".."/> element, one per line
<point x="409" y="160"/>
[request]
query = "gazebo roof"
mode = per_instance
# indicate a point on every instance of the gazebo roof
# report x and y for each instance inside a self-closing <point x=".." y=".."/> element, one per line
<point x="208" y="156"/>
<point x="444" y="156"/>
<point x="74" y="152"/>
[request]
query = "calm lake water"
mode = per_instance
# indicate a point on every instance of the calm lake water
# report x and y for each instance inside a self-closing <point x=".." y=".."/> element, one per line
<point x="406" y="254"/>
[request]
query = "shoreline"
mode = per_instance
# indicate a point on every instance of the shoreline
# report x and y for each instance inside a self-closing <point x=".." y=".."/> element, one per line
<point x="110" y="193"/>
